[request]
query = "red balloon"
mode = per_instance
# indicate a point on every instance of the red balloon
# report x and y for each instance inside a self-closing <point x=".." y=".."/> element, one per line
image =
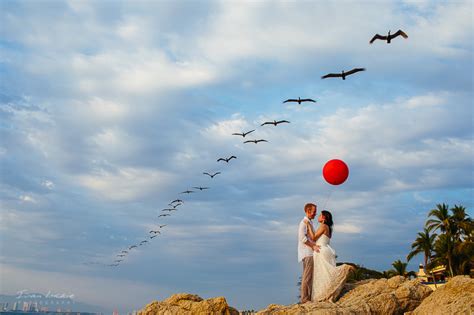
<point x="335" y="172"/>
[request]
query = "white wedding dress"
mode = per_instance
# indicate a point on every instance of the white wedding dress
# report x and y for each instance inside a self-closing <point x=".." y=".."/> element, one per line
<point x="328" y="279"/>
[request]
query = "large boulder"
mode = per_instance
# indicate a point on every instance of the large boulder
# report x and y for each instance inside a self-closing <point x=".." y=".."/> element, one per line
<point x="456" y="297"/>
<point x="393" y="296"/>
<point x="184" y="303"/>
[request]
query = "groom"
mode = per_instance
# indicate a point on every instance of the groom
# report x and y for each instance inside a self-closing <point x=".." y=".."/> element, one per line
<point x="305" y="252"/>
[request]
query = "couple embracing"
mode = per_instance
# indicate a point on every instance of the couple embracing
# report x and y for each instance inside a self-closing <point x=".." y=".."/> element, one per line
<point x="321" y="280"/>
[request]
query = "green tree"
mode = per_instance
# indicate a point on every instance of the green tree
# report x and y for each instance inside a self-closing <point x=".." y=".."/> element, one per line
<point x="399" y="267"/>
<point x="424" y="243"/>
<point x="442" y="220"/>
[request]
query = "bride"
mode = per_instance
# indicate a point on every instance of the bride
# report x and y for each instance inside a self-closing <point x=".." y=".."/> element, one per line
<point x="328" y="279"/>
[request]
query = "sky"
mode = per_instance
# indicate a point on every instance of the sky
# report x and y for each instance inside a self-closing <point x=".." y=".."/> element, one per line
<point x="108" y="110"/>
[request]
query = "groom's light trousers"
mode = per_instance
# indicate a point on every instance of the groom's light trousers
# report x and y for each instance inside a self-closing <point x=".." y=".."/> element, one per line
<point x="307" y="279"/>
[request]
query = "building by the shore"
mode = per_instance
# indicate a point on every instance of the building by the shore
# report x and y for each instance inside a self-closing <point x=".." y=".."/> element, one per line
<point x="435" y="278"/>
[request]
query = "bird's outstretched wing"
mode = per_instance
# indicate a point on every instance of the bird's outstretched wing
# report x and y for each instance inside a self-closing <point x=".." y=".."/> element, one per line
<point x="232" y="157"/>
<point x="249" y="141"/>
<point x="246" y="133"/>
<point x="216" y="173"/>
<point x="237" y="134"/>
<point x="267" y="123"/>
<point x="221" y="159"/>
<point x="354" y="71"/>
<point x="262" y="140"/>
<point x="308" y="100"/>
<point x="282" y="121"/>
<point x="290" y="100"/>
<point x="377" y="36"/>
<point x="399" y="33"/>
<point x="332" y="75"/>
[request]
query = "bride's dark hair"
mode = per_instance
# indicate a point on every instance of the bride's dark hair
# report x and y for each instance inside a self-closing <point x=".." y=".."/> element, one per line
<point x="328" y="220"/>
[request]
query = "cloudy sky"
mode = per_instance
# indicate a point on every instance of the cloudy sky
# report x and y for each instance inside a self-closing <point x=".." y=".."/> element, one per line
<point x="109" y="109"/>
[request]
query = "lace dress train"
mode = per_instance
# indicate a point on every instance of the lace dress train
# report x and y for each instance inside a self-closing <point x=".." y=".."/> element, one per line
<point x="328" y="279"/>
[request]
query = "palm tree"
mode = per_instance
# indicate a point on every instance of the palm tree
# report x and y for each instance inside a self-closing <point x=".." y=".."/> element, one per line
<point x="461" y="222"/>
<point x="444" y="222"/>
<point x="400" y="268"/>
<point x="424" y="243"/>
<point x="441" y="219"/>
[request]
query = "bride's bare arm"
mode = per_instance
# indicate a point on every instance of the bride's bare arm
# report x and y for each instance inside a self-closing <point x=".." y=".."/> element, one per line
<point x="315" y="235"/>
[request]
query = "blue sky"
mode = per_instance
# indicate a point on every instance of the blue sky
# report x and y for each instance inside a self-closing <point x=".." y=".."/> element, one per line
<point x="109" y="109"/>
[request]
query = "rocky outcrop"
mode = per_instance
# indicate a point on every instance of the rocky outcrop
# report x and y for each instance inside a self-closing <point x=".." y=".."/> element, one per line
<point x="184" y="303"/>
<point x="393" y="296"/>
<point x="456" y="297"/>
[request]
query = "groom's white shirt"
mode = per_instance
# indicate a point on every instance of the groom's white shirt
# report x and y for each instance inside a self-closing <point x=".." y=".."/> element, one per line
<point x="303" y="249"/>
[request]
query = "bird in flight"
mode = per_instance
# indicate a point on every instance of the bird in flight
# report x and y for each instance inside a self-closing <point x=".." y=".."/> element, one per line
<point x="164" y="215"/>
<point x="201" y="188"/>
<point x="124" y="251"/>
<point x="187" y="192"/>
<point x="243" y="134"/>
<point x="118" y="260"/>
<point x="175" y="205"/>
<point x="389" y="37"/>
<point x="212" y="176"/>
<point x="121" y="255"/>
<point x="152" y="237"/>
<point x="133" y="246"/>
<point x="228" y="159"/>
<point x="256" y="141"/>
<point x="275" y="122"/>
<point x="161" y="226"/>
<point x="343" y="74"/>
<point x="142" y="242"/>
<point x="156" y="232"/>
<point x="299" y="100"/>
<point x="176" y="200"/>
<point x="113" y="265"/>
<point x="170" y="209"/>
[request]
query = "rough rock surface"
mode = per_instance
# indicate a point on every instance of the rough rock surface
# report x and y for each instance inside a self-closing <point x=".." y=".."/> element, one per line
<point x="393" y="296"/>
<point x="456" y="297"/>
<point x="184" y="303"/>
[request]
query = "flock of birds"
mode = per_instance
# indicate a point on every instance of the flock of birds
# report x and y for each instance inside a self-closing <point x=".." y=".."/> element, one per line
<point x="176" y="203"/>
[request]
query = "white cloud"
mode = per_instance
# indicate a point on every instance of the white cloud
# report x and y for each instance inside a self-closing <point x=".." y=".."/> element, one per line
<point x="48" y="184"/>
<point x="26" y="198"/>
<point x="127" y="183"/>
<point x="27" y="226"/>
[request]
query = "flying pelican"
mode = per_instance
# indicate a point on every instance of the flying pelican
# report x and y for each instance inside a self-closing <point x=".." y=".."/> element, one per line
<point x="156" y="232"/>
<point x="228" y="159"/>
<point x="389" y="37"/>
<point x="275" y="122"/>
<point x="243" y="134"/>
<point x="187" y="192"/>
<point x="170" y="210"/>
<point x="164" y="215"/>
<point x="162" y="226"/>
<point x="124" y="251"/>
<point x="299" y="100"/>
<point x="177" y="200"/>
<point x="133" y="246"/>
<point x="152" y="237"/>
<point x="201" y="188"/>
<point x="212" y="176"/>
<point x="255" y="141"/>
<point x="342" y="74"/>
